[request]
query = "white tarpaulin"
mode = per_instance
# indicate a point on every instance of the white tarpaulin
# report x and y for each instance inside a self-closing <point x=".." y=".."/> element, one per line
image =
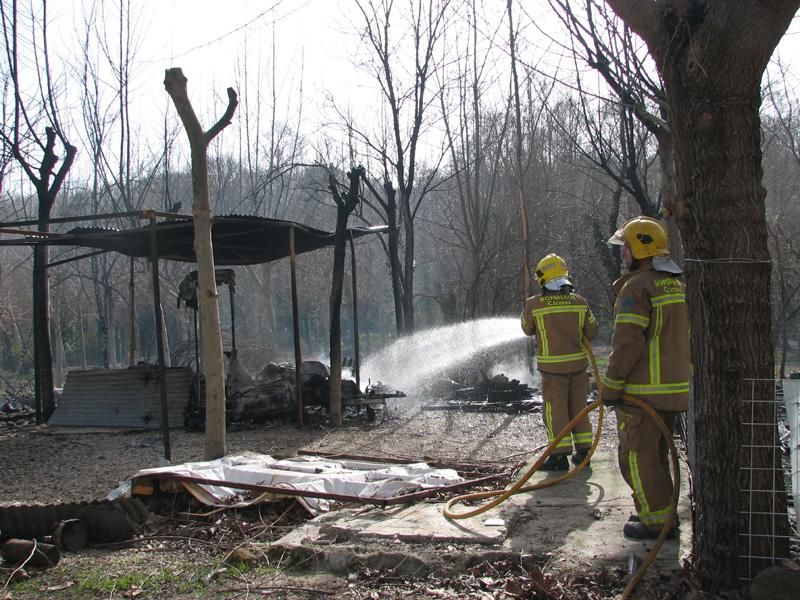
<point x="365" y="479"/>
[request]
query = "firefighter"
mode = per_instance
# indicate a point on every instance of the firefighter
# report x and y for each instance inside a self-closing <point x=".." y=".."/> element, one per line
<point x="649" y="360"/>
<point x="560" y="318"/>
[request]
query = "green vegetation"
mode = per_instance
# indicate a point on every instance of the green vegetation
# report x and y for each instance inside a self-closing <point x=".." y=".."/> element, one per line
<point x="143" y="576"/>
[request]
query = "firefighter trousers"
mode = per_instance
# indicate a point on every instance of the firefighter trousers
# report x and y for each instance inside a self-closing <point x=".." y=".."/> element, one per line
<point x="564" y="396"/>
<point x="643" y="455"/>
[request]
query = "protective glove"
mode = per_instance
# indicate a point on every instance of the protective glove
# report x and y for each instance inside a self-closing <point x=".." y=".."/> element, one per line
<point x="612" y="402"/>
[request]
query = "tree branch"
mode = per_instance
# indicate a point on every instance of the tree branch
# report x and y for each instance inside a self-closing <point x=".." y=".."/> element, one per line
<point x="639" y="16"/>
<point x="226" y="119"/>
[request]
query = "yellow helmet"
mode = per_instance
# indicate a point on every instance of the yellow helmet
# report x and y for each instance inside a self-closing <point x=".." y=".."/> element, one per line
<point x="550" y="268"/>
<point x="645" y="235"/>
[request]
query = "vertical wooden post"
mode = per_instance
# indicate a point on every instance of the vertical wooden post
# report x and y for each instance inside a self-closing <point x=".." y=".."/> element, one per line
<point x="231" y="292"/>
<point x="132" y="315"/>
<point x="159" y="319"/>
<point x="207" y="295"/>
<point x="83" y="336"/>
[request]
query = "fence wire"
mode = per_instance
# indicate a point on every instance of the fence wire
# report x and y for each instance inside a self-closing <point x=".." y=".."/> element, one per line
<point x="767" y="501"/>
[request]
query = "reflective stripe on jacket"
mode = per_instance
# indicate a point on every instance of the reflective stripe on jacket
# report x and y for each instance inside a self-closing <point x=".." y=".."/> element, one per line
<point x="650" y="347"/>
<point x="559" y="321"/>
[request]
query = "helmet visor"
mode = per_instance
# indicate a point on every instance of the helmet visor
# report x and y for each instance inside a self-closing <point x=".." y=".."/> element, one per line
<point x="618" y="238"/>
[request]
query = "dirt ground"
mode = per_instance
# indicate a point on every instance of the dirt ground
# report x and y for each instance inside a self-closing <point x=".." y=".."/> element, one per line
<point x="41" y="464"/>
<point x="228" y="558"/>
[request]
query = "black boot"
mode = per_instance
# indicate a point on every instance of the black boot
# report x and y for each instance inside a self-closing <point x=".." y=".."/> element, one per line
<point x="639" y="531"/>
<point x="579" y="455"/>
<point x="556" y="462"/>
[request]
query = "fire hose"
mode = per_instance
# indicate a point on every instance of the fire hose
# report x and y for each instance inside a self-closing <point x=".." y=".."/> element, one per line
<point x="519" y="487"/>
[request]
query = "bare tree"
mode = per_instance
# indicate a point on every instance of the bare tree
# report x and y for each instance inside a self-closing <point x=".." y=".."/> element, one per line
<point x="782" y="170"/>
<point x="609" y="140"/>
<point x="609" y="48"/>
<point x="346" y="203"/>
<point x="269" y="148"/>
<point x="397" y="197"/>
<point x="712" y="75"/>
<point x="35" y="109"/>
<point x="519" y="171"/>
<point x="476" y="136"/>
<point x="98" y="119"/>
<point x="175" y="84"/>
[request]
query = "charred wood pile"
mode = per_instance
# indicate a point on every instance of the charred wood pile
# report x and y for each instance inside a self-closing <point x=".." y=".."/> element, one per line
<point x="491" y="394"/>
<point x="270" y="394"/>
<point x="15" y="414"/>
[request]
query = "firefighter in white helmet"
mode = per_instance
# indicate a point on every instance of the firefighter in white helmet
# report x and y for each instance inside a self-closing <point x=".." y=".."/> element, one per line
<point x="649" y="360"/>
<point x="560" y="319"/>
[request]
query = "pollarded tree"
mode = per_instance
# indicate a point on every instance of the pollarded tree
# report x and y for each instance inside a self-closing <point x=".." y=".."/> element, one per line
<point x="199" y="139"/>
<point x="31" y="103"/>
<point x="711" y="57"/>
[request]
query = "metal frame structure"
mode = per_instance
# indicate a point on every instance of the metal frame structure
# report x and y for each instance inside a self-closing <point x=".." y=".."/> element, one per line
<point x="33" y="238"/>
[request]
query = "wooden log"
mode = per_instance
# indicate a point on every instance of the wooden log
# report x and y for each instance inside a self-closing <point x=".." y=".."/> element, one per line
<point x="33" y="554"/>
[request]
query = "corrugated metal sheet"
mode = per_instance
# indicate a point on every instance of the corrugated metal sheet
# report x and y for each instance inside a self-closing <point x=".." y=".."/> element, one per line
<point x="122" y="398"/>
<point x="105" y="520"/>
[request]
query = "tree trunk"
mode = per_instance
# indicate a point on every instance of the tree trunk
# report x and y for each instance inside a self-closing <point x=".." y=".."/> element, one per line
<point x="408" y="266"/>
<point x="45" y="403"/>
<point x="712" y="74"/>
<point x="207" y="296"/>
<point x="337" y="286"/>
<point x="394" y="256"/>
<point x="344" y="206"/>
<point x="725" y="239"/>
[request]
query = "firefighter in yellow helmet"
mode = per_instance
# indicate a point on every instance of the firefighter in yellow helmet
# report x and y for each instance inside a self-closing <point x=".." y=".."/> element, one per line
<point x="649" y="360"/>
<point x="560" y="318"/>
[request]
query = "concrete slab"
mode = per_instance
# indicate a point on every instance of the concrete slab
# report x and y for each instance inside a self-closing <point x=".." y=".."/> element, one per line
<point x="415" y="524"/>
<point x="578" y="522"/>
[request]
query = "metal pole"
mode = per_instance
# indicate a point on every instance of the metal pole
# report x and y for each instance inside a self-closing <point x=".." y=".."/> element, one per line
<point x="37" y="365"/>
<point x="196" y="347"/>
<point x="298" y="357"/>
<point x="231" y="291"/>
<point x="159" y="317"/>
<point x="132" y="316"/>
<point x="357" y="357"/>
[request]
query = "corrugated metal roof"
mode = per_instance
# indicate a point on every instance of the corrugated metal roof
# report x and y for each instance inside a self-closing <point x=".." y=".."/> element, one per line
<point x="105" y="520"/>
<point x="236" y="239"/>
<point x="122" y="398"/>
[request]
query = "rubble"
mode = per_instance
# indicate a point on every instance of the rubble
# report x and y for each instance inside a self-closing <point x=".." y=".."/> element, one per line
<point x="491" y="394"/>
<point x="270" y="394"/>
<point x="15" y="414"/>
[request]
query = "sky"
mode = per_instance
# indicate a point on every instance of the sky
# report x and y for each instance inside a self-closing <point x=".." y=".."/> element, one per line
<point x="314" y="43"/>
<point x="208" y="39"/>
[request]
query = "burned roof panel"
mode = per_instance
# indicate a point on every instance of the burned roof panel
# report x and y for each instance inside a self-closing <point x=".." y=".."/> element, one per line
<point x="237" y="240"/>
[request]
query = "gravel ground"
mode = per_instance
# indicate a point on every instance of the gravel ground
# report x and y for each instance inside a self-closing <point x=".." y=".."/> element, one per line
<point x="42" y="464"/>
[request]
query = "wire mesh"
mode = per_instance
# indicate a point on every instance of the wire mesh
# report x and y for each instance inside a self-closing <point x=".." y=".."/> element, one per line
<point x="767" y="524"/>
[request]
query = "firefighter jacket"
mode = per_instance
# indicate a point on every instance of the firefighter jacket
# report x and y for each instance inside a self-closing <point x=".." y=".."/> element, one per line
<point x="650" y="346"/>
<point x="559" y="321"/>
